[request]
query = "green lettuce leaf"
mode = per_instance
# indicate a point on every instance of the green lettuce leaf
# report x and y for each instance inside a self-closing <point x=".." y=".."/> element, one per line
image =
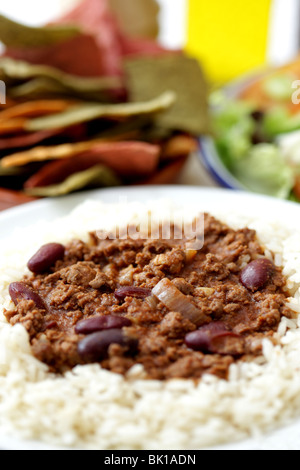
<point x="264" y="171"/>
<point x="233" y="128"/>
<point x="279" y="121"/>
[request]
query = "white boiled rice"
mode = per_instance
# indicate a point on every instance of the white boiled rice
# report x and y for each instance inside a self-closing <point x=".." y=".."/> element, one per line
<point x="90" y="408"/>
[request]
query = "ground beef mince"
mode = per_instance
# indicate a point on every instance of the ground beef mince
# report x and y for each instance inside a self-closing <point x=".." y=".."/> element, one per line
<point x="180" y="313"/>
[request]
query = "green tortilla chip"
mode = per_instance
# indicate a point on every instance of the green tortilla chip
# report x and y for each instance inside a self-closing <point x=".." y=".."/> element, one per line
<point x="14" y="34"/>
<point x="95" y="177"/>
<point x="150" y="76"/>
<point x="32" y="81"/>
<point x="92" y="111"/>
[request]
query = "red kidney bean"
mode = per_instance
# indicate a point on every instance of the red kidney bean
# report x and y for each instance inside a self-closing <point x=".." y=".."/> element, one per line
<point x="46" y="257"/>
<point x="228" y="343"/>
<point x="94" y="347"/>
<point x="106" y="322"/>
<point x="256" y="274"/>
<point x="200" y="339"/>
<point x="19" y="291"/>
<point x="131" y="291"/>
<point x="215" y="338"/>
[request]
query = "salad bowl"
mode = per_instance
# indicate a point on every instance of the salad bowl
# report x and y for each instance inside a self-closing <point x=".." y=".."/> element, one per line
<point x="256" y="133"/>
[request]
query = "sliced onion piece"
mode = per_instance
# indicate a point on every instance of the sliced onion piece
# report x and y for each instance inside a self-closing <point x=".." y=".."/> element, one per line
<point x="176" y="301"/>
<point x="152" y="301"/>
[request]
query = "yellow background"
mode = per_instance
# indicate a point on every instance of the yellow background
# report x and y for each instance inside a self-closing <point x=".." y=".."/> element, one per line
<point x="230" y="37"/>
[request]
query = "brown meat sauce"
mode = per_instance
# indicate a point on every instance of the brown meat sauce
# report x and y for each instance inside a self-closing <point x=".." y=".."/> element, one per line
<point x="84" y="282"/>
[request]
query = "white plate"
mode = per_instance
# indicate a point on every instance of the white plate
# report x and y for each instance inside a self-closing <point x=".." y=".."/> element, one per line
<point x="208" y="199"/>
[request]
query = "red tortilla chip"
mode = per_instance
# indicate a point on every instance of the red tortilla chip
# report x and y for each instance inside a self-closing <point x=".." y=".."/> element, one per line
<point x="168" y="174"/>
<point x="127" y="159"/>
<point x="98" y="51"/>
<point x="78" y="56"/>
<point x="27" y="140"/>
<point x="142" y="47"/>
<point x="96" y="19"/>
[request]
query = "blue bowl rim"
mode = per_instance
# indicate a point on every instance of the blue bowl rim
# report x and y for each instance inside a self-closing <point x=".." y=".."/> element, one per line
<point x="209" y="154"/>
<point x="212" y="162"/>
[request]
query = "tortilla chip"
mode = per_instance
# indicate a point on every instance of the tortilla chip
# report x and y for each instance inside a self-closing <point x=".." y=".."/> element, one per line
<point x="19" y="35"/>
<point x="11" y="171"/>
<point x="137" y="18"/>
<point x="132" y="47"/>
<point x="89" y="112"/>
<point x="132" y="129"/>
<point x="40" y="88"/>
<point x="126" y="159"/>
<point x="95" y="177"/>
<point x="68" y="56"/>
<point x="28" y="140"/>
<point x="12" y="126"/>
<point x="29" y="81"/>
<point x="167" y="174"/>
<point x="179" y="146"/>
<point x="149" y="76"/>
<point x="34" y="109"/>
<point x="36" y="89"/>
<point x="40" y="154"/>
<point x="95" y="18"/>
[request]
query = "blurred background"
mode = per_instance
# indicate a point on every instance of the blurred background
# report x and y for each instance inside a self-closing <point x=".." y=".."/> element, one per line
<point x="230" y="40"/>
<point x="221" y="33"/>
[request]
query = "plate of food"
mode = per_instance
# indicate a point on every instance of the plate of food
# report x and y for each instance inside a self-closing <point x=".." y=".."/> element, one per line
<point x="256" y="133"/>
<point x="152" y="318"/>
